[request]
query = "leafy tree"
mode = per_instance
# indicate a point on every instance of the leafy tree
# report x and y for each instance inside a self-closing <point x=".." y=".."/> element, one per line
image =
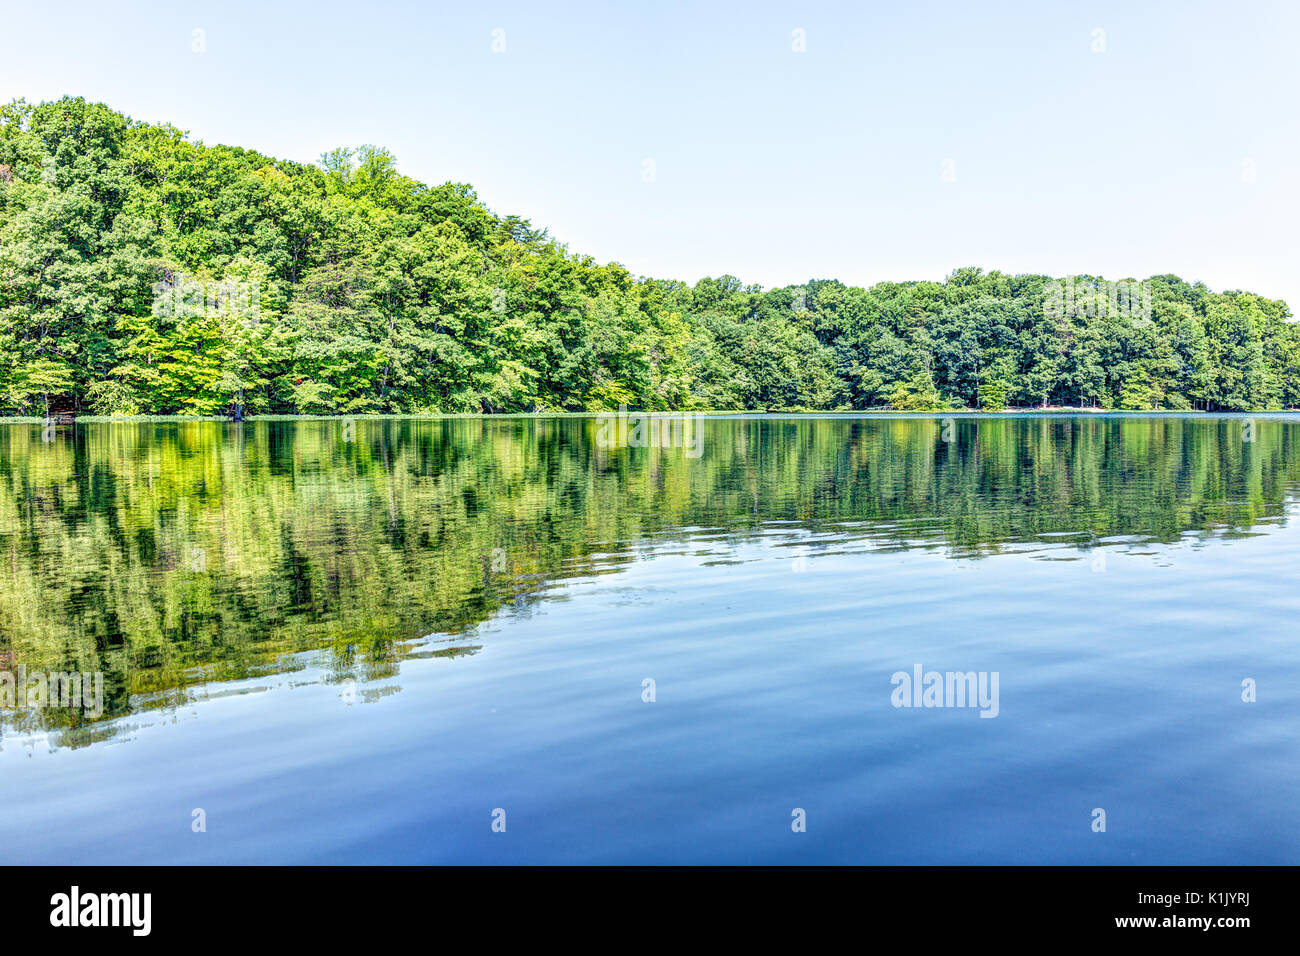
<point x="377" y="293"/>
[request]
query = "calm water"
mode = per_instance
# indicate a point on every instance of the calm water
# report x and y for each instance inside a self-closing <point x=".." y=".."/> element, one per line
<point x="356" y="650"/>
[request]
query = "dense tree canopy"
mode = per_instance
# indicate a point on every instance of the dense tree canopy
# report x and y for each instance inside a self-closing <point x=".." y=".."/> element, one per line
<point x="142" y="273"/>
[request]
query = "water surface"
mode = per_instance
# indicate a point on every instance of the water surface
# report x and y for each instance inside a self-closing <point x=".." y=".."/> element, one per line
<point x="353" y="644"/>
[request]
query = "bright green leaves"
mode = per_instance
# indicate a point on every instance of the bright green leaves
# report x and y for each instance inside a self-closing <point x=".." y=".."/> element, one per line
<point x="375" y="293"/>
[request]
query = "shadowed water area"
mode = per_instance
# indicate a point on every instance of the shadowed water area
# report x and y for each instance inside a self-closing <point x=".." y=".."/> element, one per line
<point x="352" y="642"/>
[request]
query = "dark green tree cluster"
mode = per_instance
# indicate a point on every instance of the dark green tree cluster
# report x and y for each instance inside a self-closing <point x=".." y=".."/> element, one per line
<point x="348" y="288"/>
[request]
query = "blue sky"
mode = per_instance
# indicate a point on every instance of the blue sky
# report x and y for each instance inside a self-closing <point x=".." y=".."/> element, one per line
<point x="1167" y="144"/>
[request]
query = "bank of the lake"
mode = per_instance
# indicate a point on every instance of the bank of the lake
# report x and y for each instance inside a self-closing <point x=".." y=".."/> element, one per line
<point x="809" y="413"/>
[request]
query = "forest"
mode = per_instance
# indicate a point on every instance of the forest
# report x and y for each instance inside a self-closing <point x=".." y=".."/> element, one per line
<point x="143" y="273"/>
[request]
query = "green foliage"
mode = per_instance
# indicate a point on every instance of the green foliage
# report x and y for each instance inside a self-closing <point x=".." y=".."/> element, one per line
<point x="378" y="294"/>
<point x="993" y="395"/>
<point x="917" y="394"/>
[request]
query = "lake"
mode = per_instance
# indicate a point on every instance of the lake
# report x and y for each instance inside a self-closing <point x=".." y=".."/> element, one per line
<point x="511" y="640"/>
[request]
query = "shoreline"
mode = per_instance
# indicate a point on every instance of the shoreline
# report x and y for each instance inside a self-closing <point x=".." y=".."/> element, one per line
<point x="712" y="413"/>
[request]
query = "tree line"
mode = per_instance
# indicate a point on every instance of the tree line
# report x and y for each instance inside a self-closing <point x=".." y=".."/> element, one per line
<point x="145" y="273"/>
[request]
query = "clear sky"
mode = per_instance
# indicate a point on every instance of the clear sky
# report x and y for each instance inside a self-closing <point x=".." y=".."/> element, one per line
<point x="906" y="140"/>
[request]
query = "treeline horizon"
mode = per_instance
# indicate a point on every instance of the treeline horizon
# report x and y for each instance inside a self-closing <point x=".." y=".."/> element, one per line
<point x="142" y="273"/>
